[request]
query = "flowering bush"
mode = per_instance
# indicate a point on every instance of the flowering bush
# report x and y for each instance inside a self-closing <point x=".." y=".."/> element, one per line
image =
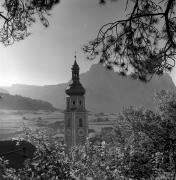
<point x="98" y="162"/>
<point x="49" y="161"/>
<point x="142" y="146"/>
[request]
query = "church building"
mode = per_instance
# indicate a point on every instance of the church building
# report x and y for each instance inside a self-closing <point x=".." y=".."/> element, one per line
<point x="76" y="125"/>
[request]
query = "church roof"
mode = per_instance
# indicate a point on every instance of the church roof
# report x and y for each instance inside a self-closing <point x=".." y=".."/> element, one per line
<point x="16" y="154"/>
<point x="75" y="90"/>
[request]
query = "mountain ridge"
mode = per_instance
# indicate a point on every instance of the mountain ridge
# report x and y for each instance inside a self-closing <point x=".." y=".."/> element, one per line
<point x="106" y="91"/>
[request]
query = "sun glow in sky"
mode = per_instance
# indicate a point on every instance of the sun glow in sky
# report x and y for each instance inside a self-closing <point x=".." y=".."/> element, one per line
<point x="47" y="55"/>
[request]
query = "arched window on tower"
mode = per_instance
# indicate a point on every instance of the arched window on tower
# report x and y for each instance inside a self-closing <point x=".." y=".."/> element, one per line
<point x="67" y="103"/>
<point x="80" y="122"/>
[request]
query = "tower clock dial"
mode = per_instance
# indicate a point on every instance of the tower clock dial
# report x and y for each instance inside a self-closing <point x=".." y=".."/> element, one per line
<point x="80" y="132"/>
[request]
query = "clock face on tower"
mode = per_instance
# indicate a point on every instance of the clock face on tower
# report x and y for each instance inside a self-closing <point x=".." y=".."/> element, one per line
<point x="80" y="132"/>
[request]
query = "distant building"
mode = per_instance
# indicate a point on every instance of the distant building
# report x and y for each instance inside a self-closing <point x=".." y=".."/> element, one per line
<point x="59" y="137"/>
<point x="105" y="130"/>
<point x="76" y="125"/>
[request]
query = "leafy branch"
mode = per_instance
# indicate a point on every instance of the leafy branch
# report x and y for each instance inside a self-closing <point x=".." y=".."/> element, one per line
<point x="19" y="15"/>
<point x="141" y="45"/>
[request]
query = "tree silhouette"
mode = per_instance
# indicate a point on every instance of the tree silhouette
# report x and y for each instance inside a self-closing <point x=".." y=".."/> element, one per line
<point x="142" y="44"/>
<point x="17" y="16"/>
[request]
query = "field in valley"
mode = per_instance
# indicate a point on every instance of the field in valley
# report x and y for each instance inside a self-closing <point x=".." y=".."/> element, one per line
<point x="12" y="122"/>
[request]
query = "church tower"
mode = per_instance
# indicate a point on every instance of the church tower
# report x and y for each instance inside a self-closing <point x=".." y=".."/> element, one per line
<point x="76" y="125"/>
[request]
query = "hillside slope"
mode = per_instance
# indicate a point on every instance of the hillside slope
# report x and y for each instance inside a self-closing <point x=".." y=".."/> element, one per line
<point x="16" y="102"/>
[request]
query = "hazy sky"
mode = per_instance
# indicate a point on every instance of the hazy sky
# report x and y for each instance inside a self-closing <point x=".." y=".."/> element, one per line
<point x="47" y="55"/>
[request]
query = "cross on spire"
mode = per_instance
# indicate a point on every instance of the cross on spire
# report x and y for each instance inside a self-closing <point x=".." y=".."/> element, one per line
<point x="75" y="55"/>
<point x="75" y="65"/>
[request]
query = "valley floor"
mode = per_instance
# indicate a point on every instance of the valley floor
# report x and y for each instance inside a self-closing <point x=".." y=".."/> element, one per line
<point x="12" y="122"/>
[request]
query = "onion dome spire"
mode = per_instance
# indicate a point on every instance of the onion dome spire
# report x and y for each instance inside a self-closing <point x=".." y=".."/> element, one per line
<point x="75" y="88"/>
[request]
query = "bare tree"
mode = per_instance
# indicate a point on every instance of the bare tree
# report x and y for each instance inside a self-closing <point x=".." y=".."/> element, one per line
<point x="17" y="16"/>
<point x="142" y="44"/>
